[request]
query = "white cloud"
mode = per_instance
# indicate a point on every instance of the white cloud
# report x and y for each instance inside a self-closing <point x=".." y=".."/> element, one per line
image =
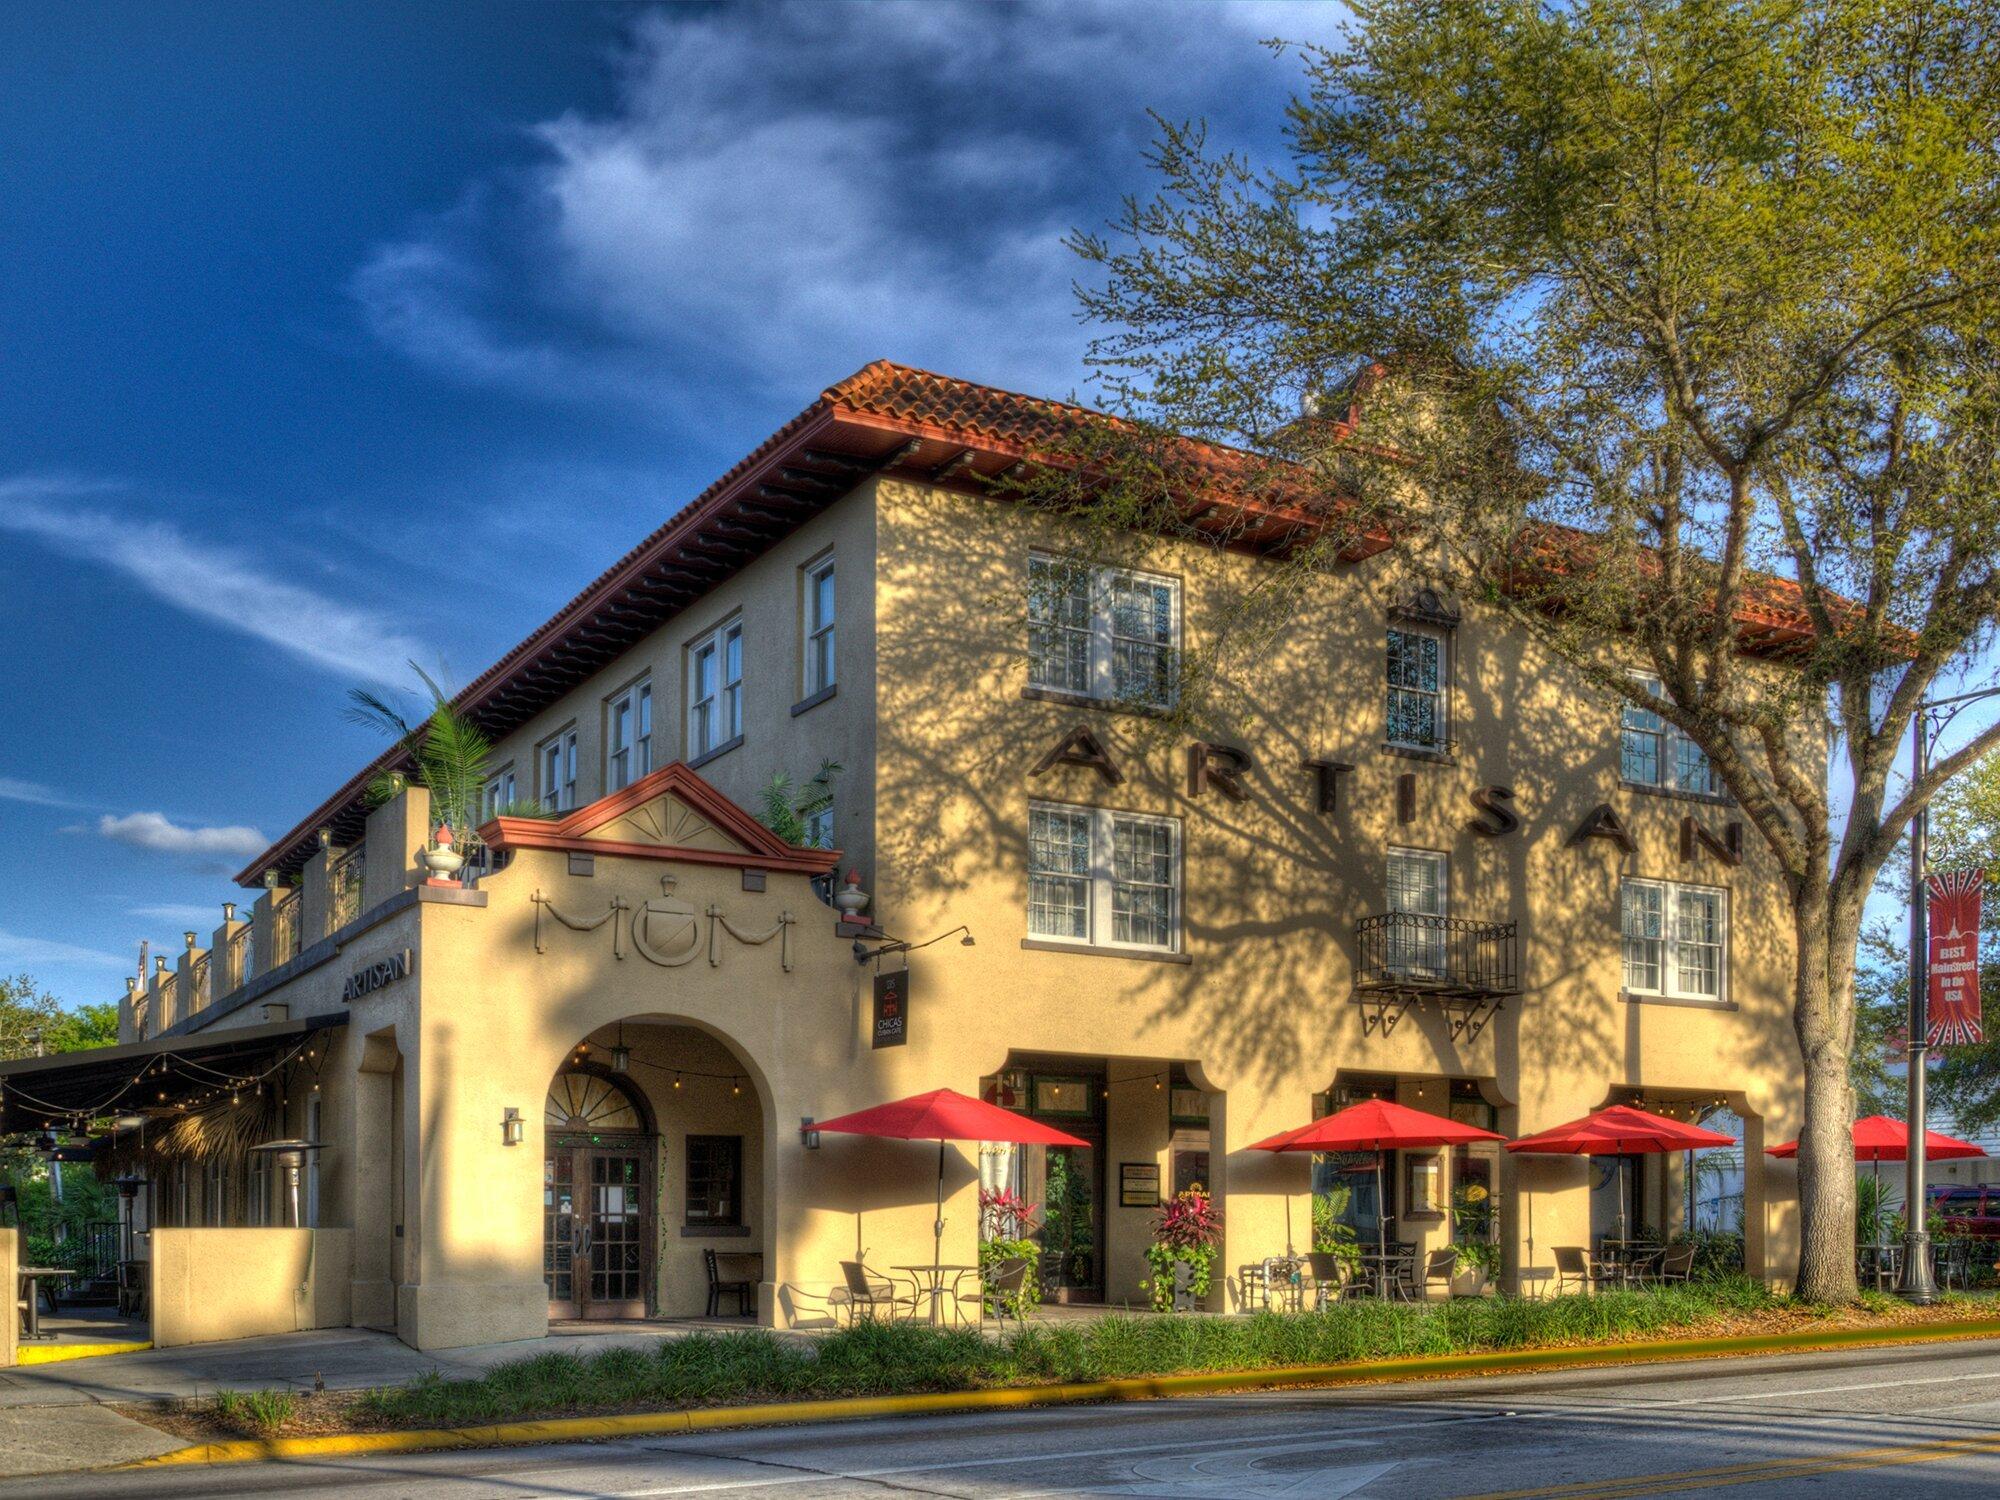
<point x="214" y="583"/>
<point x="157" y="832"/>
<point x="30" y="952"/>
<point x="34" y="793"/>
<point x="795" y="190"/>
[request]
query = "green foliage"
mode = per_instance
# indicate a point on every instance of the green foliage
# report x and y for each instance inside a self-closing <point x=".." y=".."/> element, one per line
<point x="1718" y="1254"/>
<point x="260" y="1412"/>
<point x="1067" y="1234"/>
<point x="887" y="1358"/>
<point x="449" y="756"/>
<point x="996" y="1252"/>
<point x="1331" y="1233"/>
<point x="785" y="811"/>
<point x="1200" y="1261"/>
<point x="1874" y="1203"/>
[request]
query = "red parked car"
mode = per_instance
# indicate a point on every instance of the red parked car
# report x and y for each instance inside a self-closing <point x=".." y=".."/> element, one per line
<point x="1970" y="1210"/>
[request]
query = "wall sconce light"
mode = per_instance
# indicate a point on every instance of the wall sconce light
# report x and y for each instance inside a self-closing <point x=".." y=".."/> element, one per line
<point x="621" y="1058"/>
<point x="511" y="1126"/>
<point x="808" y="1137"/>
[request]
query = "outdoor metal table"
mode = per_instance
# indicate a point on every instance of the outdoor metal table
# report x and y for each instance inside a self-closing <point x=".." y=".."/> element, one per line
<point x="931" y="1281"/>
<point x="1284" y="1281"/>
<point x="31" y="1279"/>
<point x="1880" y="1266"/>
<point x="1391" y="1273"/>
<point x="1629" y="1260"/>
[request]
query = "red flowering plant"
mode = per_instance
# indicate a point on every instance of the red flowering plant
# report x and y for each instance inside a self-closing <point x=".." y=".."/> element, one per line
<point x="1186" y="1232"/>
<point x="1006" y="1220"/>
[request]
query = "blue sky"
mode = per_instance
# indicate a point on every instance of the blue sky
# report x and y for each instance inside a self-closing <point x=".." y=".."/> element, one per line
<point x="336" y="335"/>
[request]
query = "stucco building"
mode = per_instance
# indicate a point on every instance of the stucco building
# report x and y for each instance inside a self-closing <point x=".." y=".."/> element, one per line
<point x="1404" y="854"/>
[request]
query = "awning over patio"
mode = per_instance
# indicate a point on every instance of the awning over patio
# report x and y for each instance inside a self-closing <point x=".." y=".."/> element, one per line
<point x="165" y="1074"/>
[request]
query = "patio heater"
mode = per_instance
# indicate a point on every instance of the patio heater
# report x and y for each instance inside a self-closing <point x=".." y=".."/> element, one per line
<point x="288" y="1157"/>
<point x="128" y="1194"/>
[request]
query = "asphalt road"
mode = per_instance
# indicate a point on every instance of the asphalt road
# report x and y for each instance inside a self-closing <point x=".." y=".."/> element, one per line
<point x="1906" y="1422"/>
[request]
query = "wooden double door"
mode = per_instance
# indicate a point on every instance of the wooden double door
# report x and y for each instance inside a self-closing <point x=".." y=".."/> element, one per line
<point x="598" y="1210"/>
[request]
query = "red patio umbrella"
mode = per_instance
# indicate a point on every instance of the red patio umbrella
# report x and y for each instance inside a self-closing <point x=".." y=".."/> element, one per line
<point x="1878" y="1138"/>
<point x="1376" y="1125"/>
<point x="946" y="1115"/>
<point x="1620" y="1130"/>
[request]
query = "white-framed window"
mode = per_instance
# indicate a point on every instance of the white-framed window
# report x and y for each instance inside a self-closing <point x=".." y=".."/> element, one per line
<point x="557" y="758"/>
<point x="628" y="736"/>
<point x="1676" y="939"/>
<point x="818" y="618"/>
<point x="1110" y="879"/>
<point x="819" y="827"/>
<point x="715" y="689"/>
<point x="500" y="792"/>
<point x="1652" y="752"/>
<point x="1104" y="633"/>
<point x="1417" y="670"/>
<point x="1418" y="886"/>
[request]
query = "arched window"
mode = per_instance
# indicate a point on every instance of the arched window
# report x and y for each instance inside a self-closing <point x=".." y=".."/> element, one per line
<point x="584" y="1101"/>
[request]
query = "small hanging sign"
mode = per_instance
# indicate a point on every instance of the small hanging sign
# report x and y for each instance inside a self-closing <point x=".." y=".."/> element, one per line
<point x="892" y="1009"/>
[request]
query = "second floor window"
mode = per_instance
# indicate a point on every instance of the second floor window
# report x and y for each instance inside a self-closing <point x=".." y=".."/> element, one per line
<point x="1652" y="752"/>
<point x="1675" y="937"/>
<point x="819" y="827"/>
<point x="628" y="738"/>
<point x="1417" y="890"/>
<point x="1103" y="632"/>
<point x="1416" y="672"/>
<point x="819" y="674"/>
<point x="500" y="792"/>
<point x="715" y="689"/>
<point x="1105" y="878"/>
<point x="559" y="772"/>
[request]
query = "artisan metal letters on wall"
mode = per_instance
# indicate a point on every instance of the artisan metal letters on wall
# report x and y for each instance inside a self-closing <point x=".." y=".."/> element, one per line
<point x="1496" y="812"/>
<point x="1218" y="766"/>
<point x="1603" y="822"/>
<point x="1081" y="747"/>
<point x="1728" y="849"/>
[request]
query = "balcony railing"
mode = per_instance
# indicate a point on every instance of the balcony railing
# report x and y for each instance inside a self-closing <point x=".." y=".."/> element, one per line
<point x="241" y="955"/>
<point x="284" y="929"/>
<point x="343" y="887"/>
<point x="1413" y="954"/>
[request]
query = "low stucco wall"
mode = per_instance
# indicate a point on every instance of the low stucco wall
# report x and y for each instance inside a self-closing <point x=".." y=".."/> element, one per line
<point x="10" y="1326"/>
<point x="210" y="1284"/>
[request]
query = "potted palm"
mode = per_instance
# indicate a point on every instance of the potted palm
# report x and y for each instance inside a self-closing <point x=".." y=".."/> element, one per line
<point x="447" y="755"/>
<point x="1472" y="1240"/>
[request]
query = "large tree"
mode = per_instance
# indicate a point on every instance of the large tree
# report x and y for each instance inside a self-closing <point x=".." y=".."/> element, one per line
<point x="1670" y="311"/>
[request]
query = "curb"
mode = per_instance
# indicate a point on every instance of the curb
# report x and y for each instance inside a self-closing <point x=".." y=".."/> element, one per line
<point x="1006" y="1398"/>
<point x="55" y="1354"/>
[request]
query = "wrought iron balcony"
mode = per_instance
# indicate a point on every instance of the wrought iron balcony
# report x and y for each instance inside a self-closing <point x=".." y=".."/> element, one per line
<point x="1408" y="953"/>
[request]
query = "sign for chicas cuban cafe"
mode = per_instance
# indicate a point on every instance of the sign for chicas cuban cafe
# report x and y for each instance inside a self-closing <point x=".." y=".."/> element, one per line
<point x="1954" y="959"/>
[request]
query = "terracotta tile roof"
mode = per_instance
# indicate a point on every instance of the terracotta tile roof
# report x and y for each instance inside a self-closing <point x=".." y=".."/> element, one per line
<point x="883" y="418"/>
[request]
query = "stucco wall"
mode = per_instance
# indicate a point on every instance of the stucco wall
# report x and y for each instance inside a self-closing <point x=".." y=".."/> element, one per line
<point x="211" y="1284"/>
<point x="10" y="1326"/>
<point x="1273" y="888"/>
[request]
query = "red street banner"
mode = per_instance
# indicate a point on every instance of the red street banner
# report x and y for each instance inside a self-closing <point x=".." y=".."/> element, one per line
<point x="1954" y="959"/>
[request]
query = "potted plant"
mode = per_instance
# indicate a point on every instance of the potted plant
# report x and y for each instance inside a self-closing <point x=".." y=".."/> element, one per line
<point x="1066" y="1234"/>
<point x="1472" y="1240"/>
<point x="1186" y="1232"/>
<point x="1331" y="1233"/>
<point x="1006" y="1222"/>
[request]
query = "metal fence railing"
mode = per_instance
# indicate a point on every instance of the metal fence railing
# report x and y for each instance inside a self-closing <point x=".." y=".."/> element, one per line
<point x="1411" y="951"/>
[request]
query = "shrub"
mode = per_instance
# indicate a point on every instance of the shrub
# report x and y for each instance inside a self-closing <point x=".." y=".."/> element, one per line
<point x="262" y="1412"/>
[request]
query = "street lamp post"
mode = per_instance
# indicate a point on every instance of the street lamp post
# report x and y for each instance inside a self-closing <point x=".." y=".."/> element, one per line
<point x="1917" y="1285"/>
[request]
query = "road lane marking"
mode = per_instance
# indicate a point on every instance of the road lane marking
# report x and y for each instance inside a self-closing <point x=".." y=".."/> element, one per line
<point x="1771" y="1470"/>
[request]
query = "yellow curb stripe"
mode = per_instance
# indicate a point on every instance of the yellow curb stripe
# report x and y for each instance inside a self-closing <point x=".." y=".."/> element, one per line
<point x="54" y="1354"/>
<point x="851" y="1408"/>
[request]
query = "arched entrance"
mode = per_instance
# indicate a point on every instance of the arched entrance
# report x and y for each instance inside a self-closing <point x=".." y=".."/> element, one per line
<point x="598" y="1197"/>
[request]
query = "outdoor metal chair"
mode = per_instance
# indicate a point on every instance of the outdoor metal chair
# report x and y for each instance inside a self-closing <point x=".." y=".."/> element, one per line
<point x="732" y="1275"/>
<point x="1674" y="1267"/>
<point x="869" y="1293"/>
<point x="995" y="1292"/>
<point x="1333" y="1281"/>
<point x="1574" y="1266"/>
<point x="1439" y="1266"/>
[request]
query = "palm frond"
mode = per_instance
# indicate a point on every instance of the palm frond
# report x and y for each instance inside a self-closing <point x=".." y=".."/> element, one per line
<point x="372" y="711"/>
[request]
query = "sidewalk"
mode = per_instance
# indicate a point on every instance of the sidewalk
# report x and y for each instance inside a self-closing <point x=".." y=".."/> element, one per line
<point x="58" y="1418"/>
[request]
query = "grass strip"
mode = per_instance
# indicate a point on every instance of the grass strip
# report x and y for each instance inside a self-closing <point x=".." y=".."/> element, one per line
<point x="706" y="1369"/>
